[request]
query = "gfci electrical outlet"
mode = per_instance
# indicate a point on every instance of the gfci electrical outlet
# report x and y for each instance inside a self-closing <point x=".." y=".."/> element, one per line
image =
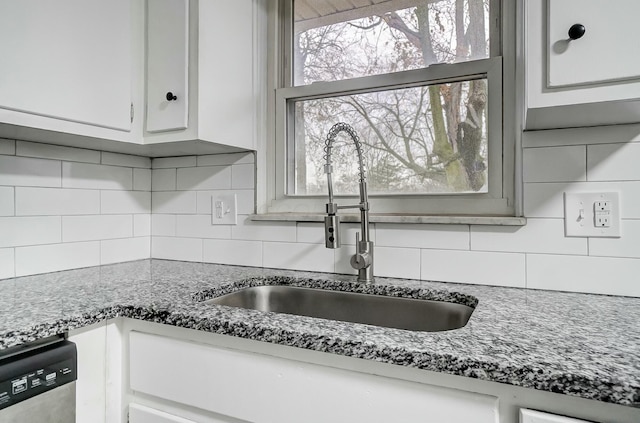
<point x="592" y="214"/>
<point x="224" y="209"/>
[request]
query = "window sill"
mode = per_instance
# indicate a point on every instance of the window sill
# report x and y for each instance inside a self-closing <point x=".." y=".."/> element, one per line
<point x="397" y="218"/>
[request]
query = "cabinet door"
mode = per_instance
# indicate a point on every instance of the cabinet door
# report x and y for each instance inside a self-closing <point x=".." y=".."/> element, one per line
<point x="91" y="385"/>
<point x="530" y="416"/>
<point x="67" y="59"/>
<point x="264" y="389"/>
<point x="607" y="51"/>
<point x="141" y="414"/>
<point x="227" y="63"/>
<point x="167" y="58"/>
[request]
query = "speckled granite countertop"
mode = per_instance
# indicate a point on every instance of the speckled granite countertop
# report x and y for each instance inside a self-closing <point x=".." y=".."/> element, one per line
<point x="576" y="344"/>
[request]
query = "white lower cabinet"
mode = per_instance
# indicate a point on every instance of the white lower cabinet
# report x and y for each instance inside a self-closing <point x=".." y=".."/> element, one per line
<point x="142" y="414"/>
<point x="91" y="385"/>
<point x="265" y="389"/>
<point x="531" y="416"/>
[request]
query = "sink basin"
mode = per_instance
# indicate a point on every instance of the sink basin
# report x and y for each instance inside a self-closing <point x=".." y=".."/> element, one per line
<point x="378" y="310"/>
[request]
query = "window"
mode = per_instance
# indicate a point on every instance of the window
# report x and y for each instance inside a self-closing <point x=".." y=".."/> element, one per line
<point x="421" y="82"/>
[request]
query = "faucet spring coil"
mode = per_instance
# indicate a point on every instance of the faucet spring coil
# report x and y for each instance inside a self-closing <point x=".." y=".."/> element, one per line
<point x="328" y="145"/>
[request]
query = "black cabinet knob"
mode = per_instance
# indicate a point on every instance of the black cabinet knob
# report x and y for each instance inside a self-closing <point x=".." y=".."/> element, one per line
<point x="170" y="96"/>
<point x="576" y="31"/>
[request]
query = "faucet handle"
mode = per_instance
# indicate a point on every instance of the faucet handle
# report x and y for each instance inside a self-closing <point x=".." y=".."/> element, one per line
<point x="360" y="259"/>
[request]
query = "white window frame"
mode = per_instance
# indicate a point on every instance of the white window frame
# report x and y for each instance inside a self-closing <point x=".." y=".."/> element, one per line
<point x="500" y="74"/>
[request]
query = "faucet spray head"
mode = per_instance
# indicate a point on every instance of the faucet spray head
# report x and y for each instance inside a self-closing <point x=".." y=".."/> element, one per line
<point x="332" y="231"/>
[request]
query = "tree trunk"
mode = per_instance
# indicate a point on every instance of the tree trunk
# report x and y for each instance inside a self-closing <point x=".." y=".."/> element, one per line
<point x="442" y="147"/>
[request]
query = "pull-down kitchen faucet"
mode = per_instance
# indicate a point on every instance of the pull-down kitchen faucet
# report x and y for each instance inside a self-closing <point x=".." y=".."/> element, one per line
<point x="362" y="260"/>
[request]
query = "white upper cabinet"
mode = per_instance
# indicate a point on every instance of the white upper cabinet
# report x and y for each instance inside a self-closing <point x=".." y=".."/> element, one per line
<point x="159" y="77"/>
<point x="582" y="66"/>
<point x="167" y="65"/>
<point x="604" y="47"/>
<point x="221" y="96"/>
<point x="66" y="64"/>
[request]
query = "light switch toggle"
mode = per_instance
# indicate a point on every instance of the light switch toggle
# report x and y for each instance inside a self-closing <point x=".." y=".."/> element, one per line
<point x="224" y="209"/>
<point x="220" y="209"/>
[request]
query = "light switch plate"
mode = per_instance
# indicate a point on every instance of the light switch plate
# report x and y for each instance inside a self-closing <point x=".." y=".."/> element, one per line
<point x="224" y="209"/>
<point x="592" y="214"/>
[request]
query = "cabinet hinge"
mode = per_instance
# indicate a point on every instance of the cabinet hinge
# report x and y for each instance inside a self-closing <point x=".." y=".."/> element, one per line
<point x="132" y="113"/>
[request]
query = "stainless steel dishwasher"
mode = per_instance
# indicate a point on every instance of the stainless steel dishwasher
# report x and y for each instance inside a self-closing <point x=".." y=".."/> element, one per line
<point x="37" y="383"/>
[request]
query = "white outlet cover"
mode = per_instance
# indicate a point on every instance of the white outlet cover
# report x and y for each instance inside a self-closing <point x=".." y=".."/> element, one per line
<point x="224" y="209"/>
<point x="579" y="214"/>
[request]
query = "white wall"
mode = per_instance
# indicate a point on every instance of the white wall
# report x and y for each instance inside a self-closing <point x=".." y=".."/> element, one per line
<point x="63" y="208"/>
<point x="537" y="255"/>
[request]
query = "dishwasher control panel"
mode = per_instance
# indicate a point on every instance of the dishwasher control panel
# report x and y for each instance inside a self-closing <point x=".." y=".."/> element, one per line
<point x="30" y="374"/>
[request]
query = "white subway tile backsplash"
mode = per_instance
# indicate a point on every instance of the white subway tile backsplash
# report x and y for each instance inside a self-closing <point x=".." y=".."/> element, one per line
<point x="397" y="262"/>
<point x="142" y="179"/>
<point x="446" y="237"/>
<point x="582" y="136"/>
<point x="141" y="225"/>
<point x="243" y="176"/>
<point x="298" y="256"/>
<point x="125" y="202"/>
<point x="7" y="205"/>
<point x="500" y="269"/>
<point x="7" y="147"/>
<point x="208" y="177"/>
<point x="55" y="257"/>
<point x="163" y="179"/>
<point x="57" y="152"/>
<point x="225" y="159"/>
<point x="263" y="231"/>
<point x="93" y="228"/>
<point x="7" y="260"/>
<point x="244" y="197"/>
<point x="546" y="200"/>
<point x="22" y="171"/>
<point x="613" y="162"/>
<point x="56" y="201"/>
<point x="185" y="249"/>
<point x="83" y="175"/>
<point x="199" y="226"/>
<point x="126" y="160"/>
<point x="165" y="162"/>
<point x="310" y="233"/>
<point x="628" y="245"/>
<point x="537" y="236"/>
<point x="176" y="202"/>
<point x="127" y="249"/>
<point x="348" y="233"/>
<point x="236" y="252"/>
<point x="342" y="258"/>
<point x="107" y="200"/>
<point x="555" y="164"/>
<point x="163" y="224"/>
<point x="19" y="231"/>
<point x="597" y="275"/>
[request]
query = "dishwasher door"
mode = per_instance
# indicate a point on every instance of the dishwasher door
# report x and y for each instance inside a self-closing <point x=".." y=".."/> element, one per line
<point x="39" y="385"/>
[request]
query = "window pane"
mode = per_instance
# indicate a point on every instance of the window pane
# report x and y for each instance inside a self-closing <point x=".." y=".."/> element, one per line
<point x="430" y="139"/>
<point x="335" y="40"/>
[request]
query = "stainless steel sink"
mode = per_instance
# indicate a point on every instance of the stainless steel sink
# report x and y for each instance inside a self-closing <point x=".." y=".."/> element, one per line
<point x="391" y="312"/>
